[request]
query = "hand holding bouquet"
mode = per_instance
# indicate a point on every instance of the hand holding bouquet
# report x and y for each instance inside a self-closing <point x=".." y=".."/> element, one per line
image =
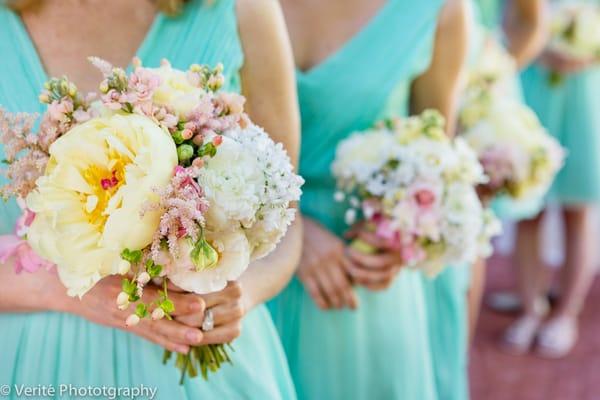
<point x="575" y="37"/>
<point x="164" y="179"/>
<point x="415" y="189"/>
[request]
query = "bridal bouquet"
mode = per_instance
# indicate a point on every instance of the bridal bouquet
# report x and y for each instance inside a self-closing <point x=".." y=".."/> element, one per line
<point x="415" y="188"/>
<point x="492" y="74"/>
<point x="164" y="178"/>
<point x="517" y="154"/>
<point x="575" y="31"/>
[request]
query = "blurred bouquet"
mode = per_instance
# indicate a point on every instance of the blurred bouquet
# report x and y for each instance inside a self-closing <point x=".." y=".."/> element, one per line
<point x="165" y="178"/>
<point x="517" y="154"/>
<point x="416" y="189"/>
<point x="491" y="75"/>
<point x="575" y="32"/>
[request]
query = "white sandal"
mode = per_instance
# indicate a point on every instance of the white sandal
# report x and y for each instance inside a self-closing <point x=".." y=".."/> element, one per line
<point x="557" y="337"/>
<point x="520" y="335"/>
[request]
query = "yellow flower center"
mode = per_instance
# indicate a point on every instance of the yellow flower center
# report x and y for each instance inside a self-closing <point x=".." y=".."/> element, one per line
<point x="105" y="181"/>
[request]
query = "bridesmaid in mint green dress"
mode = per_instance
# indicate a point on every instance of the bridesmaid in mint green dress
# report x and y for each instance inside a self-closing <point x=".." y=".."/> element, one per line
<point x="569" y="110"/>
<point x="488" y="18"/>
<point x="381" y="350"/>
<point x="50" y="348"/>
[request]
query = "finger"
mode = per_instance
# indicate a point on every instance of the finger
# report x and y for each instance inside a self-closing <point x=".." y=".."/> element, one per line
<point x="343" y="286"/>
<point x="328" y="289"/>
<point x="381" y="260"/>
<point x="171" y="287"/>
<point x="225" y="313"/>
<point x="185" y="303"/>
<point x="223" y="334"/>
<point x="365" y="276"/>
<point x="355" y="230"/>
<point x="175" y="331"/>
<point x="222" y="314"/>
<point x="314" y="291"/>
<point x="194" y="320"/>
<point x="160" y="340"/>
<point x="231" y="292"/>
<point x="374" y="240"/>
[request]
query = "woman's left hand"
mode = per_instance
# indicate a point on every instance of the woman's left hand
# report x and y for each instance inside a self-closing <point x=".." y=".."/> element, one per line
<point x="227" y="310"/>
<point x="373" y="271"/>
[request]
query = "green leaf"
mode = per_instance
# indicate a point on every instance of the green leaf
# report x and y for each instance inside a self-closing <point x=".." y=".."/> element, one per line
<point x="128" y="286"/>
<point x="141" y="310"/>
<point x="132" y="256"/>
<point x="207" y="149"/>
<point x="167" y="306"/>
<point x="153" y="269"/>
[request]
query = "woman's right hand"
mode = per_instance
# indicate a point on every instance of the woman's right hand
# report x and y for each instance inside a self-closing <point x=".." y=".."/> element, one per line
<point x="322" y="269"/>
<point x="99" y="306"/>
<point x="562" y="63"/>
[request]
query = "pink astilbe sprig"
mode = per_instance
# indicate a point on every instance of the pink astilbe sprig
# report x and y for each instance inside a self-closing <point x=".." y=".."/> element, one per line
<point x="25" y="157"/>
<point x="27" y="153"/>
<point x="183" y="205"/>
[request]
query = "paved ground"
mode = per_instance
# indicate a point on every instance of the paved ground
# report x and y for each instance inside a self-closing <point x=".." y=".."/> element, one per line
<point x="499" y="376"/>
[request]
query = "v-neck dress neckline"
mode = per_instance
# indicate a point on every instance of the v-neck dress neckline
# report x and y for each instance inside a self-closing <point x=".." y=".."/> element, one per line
<point x="355" y="39"/>
<point x="31" y="55"/>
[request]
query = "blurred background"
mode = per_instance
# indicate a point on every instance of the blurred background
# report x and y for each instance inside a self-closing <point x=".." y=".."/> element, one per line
<point x="498" y="375"/>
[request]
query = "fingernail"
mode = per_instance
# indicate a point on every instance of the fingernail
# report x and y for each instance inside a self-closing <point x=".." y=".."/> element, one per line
<point x="193" y="336"/>
<point x="197" y="306"/>
<point x="183" y="349"/>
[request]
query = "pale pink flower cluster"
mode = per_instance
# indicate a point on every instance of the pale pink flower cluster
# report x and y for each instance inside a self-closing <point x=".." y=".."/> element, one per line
<point x="498" y="163"/>
<point x="25" y="156"/>
<point x="183" y="205"/>
<point x="214" y="115"/>
<point x="60" y="117"/>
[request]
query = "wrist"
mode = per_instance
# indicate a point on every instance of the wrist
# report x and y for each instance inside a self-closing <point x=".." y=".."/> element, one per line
<point x="54" y="297"/>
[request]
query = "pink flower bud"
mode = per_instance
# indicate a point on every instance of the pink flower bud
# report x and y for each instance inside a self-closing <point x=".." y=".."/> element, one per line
<point x="217" y="140"/>
<point x="198" y="163"/>
<point x="198" y="140"/>
<point x="187" y="134"/>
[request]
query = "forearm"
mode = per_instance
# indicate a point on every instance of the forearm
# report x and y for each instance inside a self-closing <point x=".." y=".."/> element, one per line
<point x="525" y="30"/>
<point x="439" y="87"/>
<point x="26" y="292"/>
<point x="266" y="277"/>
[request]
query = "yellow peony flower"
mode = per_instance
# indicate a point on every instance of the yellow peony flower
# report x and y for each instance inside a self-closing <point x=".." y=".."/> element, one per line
<point x="88" y="204"/>
<point x="176" y="91"/>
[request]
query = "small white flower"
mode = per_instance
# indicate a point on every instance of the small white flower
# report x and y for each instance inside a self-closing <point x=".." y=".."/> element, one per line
<point x="143" y="278"/>
<point x="339" y="196"/>
<point x="350" y="216"/>
<point x="132" y="320"/>
<point x="123" y="301"/>
<point x="158" y="313"/>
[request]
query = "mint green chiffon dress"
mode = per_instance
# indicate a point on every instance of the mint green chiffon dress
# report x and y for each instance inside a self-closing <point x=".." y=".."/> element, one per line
<point x="570" y="112"/>
<point x="382" y="349"/>
<point x="49" y="348"/>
